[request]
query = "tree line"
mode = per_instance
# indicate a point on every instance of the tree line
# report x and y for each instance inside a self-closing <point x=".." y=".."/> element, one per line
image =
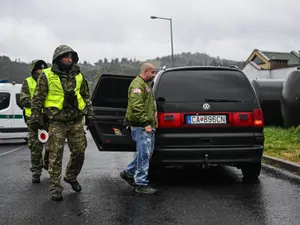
<point x="16" y="70"/>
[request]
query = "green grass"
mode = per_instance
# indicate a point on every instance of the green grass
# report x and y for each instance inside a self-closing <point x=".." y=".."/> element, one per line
<point x="283" y="143"/>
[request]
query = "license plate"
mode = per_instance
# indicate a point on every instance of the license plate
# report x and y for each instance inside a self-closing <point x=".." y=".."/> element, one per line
<point x="207" y="119"/>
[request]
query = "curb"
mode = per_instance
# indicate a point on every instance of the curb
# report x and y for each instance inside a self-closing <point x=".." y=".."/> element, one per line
<point x="282" y="164"/>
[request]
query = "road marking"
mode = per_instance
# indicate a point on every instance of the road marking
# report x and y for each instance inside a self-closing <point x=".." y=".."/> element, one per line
<point x="13" y="150"/>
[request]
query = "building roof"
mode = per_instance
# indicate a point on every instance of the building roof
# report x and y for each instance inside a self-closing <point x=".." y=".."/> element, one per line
<point x="292" y="57"/>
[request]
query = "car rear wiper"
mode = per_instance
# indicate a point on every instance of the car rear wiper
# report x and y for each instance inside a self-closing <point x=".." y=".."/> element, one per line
<point x="221" y="100"/>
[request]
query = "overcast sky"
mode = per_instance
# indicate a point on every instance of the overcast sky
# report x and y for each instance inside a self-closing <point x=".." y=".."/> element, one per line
<point x="122" y="28"/>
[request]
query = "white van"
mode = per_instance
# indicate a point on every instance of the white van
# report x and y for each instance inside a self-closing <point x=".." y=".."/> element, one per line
<point x="12" y="124"/>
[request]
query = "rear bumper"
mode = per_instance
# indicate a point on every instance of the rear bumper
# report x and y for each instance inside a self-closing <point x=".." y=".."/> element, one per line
<point x="13" y="133"/>
<point x="194" y="156"/>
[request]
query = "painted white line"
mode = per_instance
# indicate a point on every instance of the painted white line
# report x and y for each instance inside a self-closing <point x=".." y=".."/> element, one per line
<point x="16" y="149"/>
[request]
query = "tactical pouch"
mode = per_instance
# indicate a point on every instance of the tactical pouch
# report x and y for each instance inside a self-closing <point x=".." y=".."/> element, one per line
<point x="70" y="100"/>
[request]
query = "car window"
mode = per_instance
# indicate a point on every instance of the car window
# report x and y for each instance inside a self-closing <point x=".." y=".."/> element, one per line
<point x="18" y="100"/>
<point x="4" y="100"/>
<point x="196" y="85"/>
<point x="112" y="92"/>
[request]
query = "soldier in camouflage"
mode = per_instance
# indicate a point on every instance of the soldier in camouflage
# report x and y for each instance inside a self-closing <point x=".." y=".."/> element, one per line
<point x="141" y="118"/>
<point x="35" y="146"/>
<point x="63" y="93"/>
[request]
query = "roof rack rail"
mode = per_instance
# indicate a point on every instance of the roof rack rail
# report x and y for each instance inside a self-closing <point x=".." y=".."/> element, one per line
<point x="234" y="66"/>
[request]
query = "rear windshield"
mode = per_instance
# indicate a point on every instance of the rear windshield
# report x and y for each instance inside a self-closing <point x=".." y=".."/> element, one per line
<point x="196" y="85"/>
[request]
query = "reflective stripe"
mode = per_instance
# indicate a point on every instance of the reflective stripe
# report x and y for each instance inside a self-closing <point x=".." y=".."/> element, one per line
<point x="15" y="116"/>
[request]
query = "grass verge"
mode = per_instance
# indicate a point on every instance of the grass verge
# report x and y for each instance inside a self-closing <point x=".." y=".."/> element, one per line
<point x="283" y="143"/>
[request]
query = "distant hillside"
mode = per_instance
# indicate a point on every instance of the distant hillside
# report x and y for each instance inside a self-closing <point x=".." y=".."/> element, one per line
<point x="15" y="70"/>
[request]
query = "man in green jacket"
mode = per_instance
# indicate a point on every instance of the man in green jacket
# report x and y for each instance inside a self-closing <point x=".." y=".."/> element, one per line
<point x="26" y="94"/>
<point x="63" y="93"/>
<point x="141" y="117"/>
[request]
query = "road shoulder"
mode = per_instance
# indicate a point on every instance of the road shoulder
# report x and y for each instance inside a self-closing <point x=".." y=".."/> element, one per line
<point x="282" y="164"/>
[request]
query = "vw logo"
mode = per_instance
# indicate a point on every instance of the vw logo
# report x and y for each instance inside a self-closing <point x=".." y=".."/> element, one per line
<point x="206" y="106"/>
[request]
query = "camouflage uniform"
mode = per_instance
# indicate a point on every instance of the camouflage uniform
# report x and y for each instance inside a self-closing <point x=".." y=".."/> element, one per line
<point x="35" y="146"/>
<point x="64" y="123"/>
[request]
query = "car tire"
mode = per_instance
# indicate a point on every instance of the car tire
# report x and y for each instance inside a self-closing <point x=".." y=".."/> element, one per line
<point x="251" y="171"/>
<point x="154" y="171"/>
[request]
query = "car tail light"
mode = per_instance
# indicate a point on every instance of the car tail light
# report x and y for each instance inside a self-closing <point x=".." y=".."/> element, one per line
<point x="169" y="120"/>
<point x="258" y="117"/>
<point x="242" y="119"/>
<point x="248" y="119"/>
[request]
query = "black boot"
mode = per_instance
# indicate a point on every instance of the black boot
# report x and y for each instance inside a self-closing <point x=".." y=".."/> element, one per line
<point x="74" y="184"/>
<point x="56" y="196"/>
<point x="36" y="179"/>
<point x="45" y="166"/>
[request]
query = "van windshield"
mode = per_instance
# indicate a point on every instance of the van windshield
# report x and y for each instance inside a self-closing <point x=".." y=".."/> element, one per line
<point x="198" y="85"/>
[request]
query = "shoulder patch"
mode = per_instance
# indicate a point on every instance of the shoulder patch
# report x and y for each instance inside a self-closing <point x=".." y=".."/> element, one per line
<point x="136" y="90"/>
<point x="148" y="89"/>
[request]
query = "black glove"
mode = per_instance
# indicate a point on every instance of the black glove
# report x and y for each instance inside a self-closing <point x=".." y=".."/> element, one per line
<point x="89" y="122"/>
<point x="35" y="125"/>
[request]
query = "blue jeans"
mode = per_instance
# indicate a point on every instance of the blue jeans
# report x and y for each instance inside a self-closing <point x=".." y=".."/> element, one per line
<point x="138" y="168"/>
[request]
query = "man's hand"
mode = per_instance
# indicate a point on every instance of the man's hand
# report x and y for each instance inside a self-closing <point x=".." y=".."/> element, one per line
<point x="89" y="122"/>
<point x="36" y="122"/>
<point x="148" y="129"/>
<point x="35" y="125"/>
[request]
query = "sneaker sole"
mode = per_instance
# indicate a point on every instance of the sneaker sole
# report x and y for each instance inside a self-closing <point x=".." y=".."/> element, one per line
<point x="146" y="193"/>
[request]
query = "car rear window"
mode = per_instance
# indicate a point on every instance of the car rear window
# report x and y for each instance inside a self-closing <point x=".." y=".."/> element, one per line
<point x="196" y="85"/>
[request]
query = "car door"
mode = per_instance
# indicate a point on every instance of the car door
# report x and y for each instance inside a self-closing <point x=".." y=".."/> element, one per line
<point x="109" y="102"/>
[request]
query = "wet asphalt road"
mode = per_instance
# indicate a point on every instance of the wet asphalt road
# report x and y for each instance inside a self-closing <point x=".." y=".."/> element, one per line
<point x="216" y="196"/>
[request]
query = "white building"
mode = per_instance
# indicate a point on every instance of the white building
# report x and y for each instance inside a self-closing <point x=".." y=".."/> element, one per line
<point x="271" y="65"/>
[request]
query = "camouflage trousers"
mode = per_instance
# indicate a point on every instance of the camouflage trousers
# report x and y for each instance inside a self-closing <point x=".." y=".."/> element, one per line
<point x="58" y="132"/>
<point x="36" y="149"/>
